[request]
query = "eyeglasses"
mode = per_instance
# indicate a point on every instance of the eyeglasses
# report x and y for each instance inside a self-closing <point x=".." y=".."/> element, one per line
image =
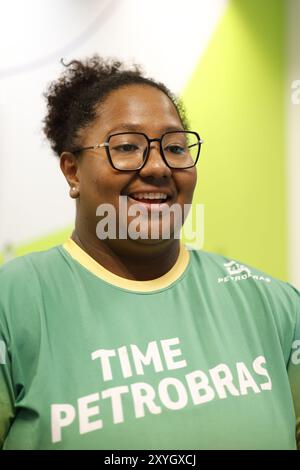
<point x="129" y="151"/>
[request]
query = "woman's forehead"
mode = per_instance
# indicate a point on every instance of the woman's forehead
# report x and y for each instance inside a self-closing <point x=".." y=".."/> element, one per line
<point x="135" y="98"/>
<point x="138" y="105"/>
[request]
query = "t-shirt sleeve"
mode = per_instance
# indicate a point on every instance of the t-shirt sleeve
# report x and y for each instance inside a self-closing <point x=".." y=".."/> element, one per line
<point x="6" y="386"/>
<point x="294" y="367"/>
<point x="19" y="325"/>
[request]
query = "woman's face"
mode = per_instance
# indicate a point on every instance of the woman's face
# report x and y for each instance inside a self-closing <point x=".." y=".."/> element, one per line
<point x="139" y="108"/>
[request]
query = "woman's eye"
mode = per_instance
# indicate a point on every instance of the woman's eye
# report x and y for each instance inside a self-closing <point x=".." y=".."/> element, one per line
<point x="176" y="149"/>
<point x="126" y="148"/>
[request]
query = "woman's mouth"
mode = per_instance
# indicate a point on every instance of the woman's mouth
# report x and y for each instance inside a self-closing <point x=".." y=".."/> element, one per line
<point x="150" y="198"/>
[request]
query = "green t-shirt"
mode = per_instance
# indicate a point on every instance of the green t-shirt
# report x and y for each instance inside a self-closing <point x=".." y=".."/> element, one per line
<point x="205" y="357"/>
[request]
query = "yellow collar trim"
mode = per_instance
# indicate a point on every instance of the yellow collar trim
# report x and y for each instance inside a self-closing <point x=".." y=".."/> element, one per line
<point x="142" y="286"/>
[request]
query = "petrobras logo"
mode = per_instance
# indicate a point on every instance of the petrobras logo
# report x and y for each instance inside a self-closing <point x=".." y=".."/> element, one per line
<point x="238" y="272"/>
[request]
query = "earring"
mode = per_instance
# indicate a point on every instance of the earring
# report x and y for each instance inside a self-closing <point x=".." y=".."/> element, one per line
<point x="74" y="192"/>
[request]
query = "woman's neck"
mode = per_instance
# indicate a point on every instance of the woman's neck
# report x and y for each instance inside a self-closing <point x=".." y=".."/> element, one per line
<point x="130" y="259"/>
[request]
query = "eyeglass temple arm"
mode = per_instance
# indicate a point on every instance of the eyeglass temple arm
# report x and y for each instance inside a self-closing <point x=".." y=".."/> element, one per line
<point x="200" y="142"/>
<point x="92" y="147"/>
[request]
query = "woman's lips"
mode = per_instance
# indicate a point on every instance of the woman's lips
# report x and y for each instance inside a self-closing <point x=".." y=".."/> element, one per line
<point x="151" y="204"/>
<point x="149" y="201"/>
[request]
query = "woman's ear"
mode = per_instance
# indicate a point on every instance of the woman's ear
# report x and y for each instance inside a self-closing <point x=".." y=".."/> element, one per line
<point x="69" y="167"/>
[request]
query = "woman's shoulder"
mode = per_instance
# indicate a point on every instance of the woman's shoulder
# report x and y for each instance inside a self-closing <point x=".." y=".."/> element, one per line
<point x="22" y="267"/>
<point x="22" y="287"/>
<point x="259" y="294"/>
<point x="21" y="278"/>
<point x="233" y="273"/>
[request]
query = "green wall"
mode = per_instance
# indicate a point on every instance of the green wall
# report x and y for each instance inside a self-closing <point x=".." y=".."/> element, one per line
<point x="235" y="99"/>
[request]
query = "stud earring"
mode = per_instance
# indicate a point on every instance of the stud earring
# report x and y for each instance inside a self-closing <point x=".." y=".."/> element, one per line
<point x="74" y="192"/>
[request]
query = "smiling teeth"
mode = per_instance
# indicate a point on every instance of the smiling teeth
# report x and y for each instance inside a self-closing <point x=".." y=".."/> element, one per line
<point x="150" y="196"/>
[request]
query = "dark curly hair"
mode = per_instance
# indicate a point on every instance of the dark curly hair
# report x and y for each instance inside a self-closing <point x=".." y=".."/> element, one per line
<point x="73" y="98"/>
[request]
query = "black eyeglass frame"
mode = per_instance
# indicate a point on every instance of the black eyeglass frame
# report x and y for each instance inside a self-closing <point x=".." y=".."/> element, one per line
<point x="146" y="154"/>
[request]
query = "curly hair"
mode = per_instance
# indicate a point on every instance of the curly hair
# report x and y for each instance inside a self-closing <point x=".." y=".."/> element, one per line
<point x="72" y="100"/>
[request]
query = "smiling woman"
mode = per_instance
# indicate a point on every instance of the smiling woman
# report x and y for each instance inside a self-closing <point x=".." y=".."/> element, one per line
<point x="129" y="340"/>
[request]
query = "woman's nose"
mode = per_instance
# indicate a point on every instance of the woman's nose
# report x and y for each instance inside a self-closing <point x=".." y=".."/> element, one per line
<point x="155" y="164"/>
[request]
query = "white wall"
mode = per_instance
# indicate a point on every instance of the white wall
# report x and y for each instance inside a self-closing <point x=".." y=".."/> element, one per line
<point x="166" y="36"/>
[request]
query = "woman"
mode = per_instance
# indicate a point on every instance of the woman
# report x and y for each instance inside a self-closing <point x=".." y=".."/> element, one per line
<point x="121" y="339"/>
